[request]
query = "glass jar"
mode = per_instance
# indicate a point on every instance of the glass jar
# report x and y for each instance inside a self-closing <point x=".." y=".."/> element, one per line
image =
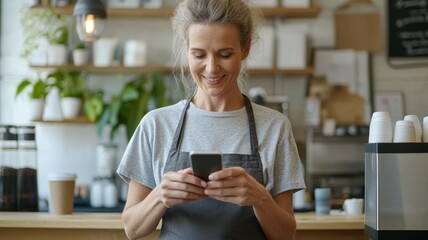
<point x="97" y="192"/>
<point x="106" y="159"/>
<point x="27" y="172"/>
<point x="8" y="168"/>
<point x="111" y="197"/>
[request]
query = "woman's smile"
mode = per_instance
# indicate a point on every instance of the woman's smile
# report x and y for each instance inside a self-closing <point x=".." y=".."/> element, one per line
<point x="214" y="80"/>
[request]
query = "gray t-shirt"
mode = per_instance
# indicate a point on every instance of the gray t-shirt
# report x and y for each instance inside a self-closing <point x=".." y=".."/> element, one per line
<point x="227" y="132"/>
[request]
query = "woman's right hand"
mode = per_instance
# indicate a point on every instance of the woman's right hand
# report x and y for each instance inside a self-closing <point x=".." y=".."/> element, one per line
<point x="182" y="186"/>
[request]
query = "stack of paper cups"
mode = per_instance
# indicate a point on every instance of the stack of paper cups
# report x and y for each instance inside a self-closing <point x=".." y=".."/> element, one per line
<point x="418" y="129"/>
<point x="404" y="132"/>
<point x="380" y="128"/>
<point x="425" y="129"/>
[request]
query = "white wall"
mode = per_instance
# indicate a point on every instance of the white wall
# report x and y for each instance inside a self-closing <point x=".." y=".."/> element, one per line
<point x="72" y="147"/>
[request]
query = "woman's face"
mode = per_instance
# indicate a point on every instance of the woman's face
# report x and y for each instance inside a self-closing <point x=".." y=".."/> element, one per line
<point x="215" y="54"/>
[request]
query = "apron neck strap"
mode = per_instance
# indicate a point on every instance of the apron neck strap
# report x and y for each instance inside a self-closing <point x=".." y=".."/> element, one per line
<point x="252" y="126"/>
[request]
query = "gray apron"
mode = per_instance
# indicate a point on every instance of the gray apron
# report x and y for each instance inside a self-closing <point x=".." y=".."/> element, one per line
<point x="209" y="218"/>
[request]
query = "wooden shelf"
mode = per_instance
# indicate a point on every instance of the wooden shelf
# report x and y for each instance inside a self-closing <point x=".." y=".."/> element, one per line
<point x="311" y="12"/>
<point x="109" y="69"/>
<point x="167" y="69"/>
<point x="77" y="120"/>
<point x="276" y="71"/>
<point x="166" y="12"/>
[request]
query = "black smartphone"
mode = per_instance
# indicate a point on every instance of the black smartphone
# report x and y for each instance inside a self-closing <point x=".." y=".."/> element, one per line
<point x="205" y="163"/>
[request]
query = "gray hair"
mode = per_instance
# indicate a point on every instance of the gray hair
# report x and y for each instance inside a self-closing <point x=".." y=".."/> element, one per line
<point x="190" y="12"/>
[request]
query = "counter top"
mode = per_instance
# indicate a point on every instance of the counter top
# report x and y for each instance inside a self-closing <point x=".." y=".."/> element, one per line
<point x="305" y="221"/>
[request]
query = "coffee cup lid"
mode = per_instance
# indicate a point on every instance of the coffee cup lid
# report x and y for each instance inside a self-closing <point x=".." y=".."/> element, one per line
<point x="62" y="177"/>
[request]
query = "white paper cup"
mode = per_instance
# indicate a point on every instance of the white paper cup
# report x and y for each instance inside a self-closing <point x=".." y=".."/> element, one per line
<point x="61" y="186"/>
<point x="404" y="132"/>
<point x="418" y="129"/>
<point x="425" y="129"/>
<point x="380" y="131"/>
<point x="381" y="115"/>
<point x="353" y="206"/>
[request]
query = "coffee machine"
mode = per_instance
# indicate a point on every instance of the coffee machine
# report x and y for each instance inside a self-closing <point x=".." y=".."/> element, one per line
<point x="396" y="196"/>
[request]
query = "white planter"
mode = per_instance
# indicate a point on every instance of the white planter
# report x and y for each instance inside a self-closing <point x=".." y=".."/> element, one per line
<point x="80" y="57"/>
<point x="36" y="108"/>
<point x="104" y="49"/>
<point x="70" y="107"/>
<point x="57" y="55"/>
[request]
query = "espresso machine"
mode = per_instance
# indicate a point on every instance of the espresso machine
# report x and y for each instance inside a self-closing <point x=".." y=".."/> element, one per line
<point x="396" y="195"/>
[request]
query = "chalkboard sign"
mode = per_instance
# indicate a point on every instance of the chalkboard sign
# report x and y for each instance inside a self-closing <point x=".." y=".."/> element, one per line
<point x="407" y="28"/>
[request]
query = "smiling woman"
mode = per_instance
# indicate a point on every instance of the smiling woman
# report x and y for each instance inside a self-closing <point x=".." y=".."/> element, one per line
<point x="251" y="196"/>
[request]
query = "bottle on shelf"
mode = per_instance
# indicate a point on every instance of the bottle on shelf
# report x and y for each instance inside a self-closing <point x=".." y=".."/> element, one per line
<point x="28" y="197"/>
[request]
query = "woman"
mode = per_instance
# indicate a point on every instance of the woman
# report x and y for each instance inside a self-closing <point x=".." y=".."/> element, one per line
<point x="251" y="197"/>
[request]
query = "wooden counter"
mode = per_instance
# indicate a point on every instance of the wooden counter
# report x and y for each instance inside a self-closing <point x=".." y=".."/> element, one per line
<point x="25" y="225"/>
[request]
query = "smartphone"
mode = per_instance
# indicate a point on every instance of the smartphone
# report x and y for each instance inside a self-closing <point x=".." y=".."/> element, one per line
<point x="205" y="163"/>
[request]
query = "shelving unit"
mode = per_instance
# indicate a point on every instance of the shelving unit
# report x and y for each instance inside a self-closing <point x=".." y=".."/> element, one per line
<point x="167" y="12"/>
<point x="78" y="120"/>
<point x="279" y="12"/>
<point x="167" y="69"/>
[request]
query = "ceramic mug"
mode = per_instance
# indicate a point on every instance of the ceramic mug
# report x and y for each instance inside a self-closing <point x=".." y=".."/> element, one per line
<point x="353" y="206"/>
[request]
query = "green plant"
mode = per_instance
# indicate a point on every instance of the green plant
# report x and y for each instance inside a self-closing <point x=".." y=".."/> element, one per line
<point x="93" y="105"/>
<point x="80" y="45"/>
<point x="59" y="36"/>
<point x="39" y="24"/>
<point x="71" y="83"/>
<point x="137" y="97"/>
<point x="39" y="88"/>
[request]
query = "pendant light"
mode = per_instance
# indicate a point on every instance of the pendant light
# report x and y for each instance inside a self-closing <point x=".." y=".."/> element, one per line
<point x="90" y="19"/>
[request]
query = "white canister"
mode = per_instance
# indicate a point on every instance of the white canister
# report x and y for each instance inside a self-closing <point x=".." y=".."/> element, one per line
<point x="135" y="53"/>
<point x="110" y="197"/>
<point x="97" y="193"/>
<point x="106" y="159"/>
<point x="104" y="49"/>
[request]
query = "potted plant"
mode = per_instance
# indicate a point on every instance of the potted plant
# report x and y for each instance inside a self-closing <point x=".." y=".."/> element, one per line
<point x="57" y="51"/>
<point x="137" y="97"/>
<point x="38" y="90"/>
<point x="41" y="28"/>
<point x="80" y="54"/>
<point x="71" y="85"/>
<point x="93" y="105"/>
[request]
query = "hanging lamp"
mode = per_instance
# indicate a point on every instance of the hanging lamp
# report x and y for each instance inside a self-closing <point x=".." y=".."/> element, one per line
<point x="90" y="19"/>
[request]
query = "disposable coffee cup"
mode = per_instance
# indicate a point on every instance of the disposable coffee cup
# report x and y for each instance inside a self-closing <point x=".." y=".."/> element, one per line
<point x="322" y="201"/>
<point x="61" y="186"/>
<point x="425" y="130"/>
<point x="404" y="132"/>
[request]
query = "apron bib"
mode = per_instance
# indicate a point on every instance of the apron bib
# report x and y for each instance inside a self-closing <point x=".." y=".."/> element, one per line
<point x="209" y="218"/>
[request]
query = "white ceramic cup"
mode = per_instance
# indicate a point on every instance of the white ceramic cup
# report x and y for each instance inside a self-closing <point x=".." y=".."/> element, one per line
<point x="299" y="199"/>
<point x="404" y="132"/>
<point x="418" y="129"/>
<point x="380" y="130"/>
<point x="353" y="206"/>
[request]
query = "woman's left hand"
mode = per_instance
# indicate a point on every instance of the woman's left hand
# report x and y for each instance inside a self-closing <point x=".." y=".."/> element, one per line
<point x="235" y="185"/>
